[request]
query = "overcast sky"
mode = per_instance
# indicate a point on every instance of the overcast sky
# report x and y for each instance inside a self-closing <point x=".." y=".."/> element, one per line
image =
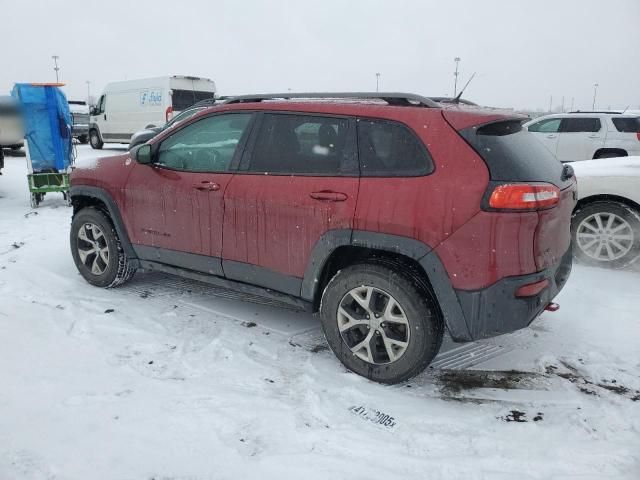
<point x="523" y="52"/>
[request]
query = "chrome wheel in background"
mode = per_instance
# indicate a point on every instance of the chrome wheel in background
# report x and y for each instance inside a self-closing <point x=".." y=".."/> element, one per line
<point x="605" y="236"/>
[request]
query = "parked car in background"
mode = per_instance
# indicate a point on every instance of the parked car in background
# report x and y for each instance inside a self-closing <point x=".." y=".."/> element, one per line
<point x="606" y="221"/>
<point x="11" y="125"/>
<point x="127" y="107"/>
<point x="346" y="204"/>
<point x="80" y="113"/>
<point x="586" y="135"/>
<point x="143" y="136"/>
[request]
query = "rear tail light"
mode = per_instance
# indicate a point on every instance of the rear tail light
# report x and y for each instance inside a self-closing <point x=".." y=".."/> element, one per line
<point x="638" y="135"/>
<point x="524" y="196"/>
<point x="168" y="114"/>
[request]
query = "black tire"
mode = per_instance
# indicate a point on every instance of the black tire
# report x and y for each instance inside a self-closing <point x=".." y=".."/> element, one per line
<point x="606" y="208"/>
<point x="83" y="139"/>
<point x="424" y="322"/>
<point x="95" y="140"/>
<point x="118" y="269"/>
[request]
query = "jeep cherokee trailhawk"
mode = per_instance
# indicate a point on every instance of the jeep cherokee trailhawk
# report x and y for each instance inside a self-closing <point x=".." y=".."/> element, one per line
<point x="392" y="216"/>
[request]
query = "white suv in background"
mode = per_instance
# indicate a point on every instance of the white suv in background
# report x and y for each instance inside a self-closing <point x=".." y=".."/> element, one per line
<point x="587" y="135"/>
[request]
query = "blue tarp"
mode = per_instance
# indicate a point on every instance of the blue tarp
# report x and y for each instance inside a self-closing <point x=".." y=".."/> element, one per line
<point x="47" y="125"/>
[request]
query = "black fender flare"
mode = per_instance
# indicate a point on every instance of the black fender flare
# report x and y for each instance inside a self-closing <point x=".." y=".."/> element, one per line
<point x="113" y="211"/>
<point x="420" y="252"/>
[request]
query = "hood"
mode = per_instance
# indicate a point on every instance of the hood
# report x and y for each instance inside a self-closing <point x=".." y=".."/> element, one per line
<point x="608" y="167"/>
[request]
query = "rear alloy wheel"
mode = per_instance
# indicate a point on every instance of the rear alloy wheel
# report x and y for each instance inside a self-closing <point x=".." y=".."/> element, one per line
<point x="373" y="325"/>
<point x="94" y="140"/>
<point x="380" y="323"/>
<point x="606" y="233"/>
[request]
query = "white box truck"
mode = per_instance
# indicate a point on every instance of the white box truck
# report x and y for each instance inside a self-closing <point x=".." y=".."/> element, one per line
<point x="132" y="105"/>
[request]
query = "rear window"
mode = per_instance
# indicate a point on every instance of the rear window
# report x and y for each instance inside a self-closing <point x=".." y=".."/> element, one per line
<point x="627" y="125"/>
<point x="181" y="99"/>
<point x="576" y="125"/>
<point x="512" y="154"/>
<point x="303" y="144"/>
<point x="390" y="149"/>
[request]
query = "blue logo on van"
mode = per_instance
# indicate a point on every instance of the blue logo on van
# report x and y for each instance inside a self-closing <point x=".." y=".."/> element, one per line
<point x="151" y="97"/>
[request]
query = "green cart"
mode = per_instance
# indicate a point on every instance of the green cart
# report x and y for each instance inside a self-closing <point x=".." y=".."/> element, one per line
<point x="43" y="183"/>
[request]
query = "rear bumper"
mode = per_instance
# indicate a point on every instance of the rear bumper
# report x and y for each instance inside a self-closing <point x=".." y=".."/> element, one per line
<point x="496" y="310"/>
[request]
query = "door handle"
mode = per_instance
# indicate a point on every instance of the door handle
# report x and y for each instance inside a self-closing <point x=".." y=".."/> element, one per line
<point x="105" y="116"/>
<point x="329" y="196"/>
<point x="206" y="186"/>
<point x="551" y="136"/>
<point x="594" y="136"/>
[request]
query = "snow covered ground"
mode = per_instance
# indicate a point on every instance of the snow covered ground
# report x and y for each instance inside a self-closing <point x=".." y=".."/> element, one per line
<point x="169" y="379"/>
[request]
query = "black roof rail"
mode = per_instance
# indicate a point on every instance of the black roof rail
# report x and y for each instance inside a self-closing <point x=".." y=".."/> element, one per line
<point x="598" y="111"/>
<point x="392" y="98"/>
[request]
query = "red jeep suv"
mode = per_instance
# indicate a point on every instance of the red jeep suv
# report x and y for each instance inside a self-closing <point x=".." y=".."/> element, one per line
<point x="391" y="215"/>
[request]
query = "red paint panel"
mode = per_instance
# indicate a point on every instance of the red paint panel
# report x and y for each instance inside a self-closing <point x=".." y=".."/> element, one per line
<point x="489" y="247"/>
<point x="433" y="207"/>
<point x="554" y="236"/>
<point x="165" y="209"/>
<point x="273" y="222"/>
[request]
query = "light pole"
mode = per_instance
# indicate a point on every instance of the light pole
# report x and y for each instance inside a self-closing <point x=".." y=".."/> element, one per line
<point x="455" y="77"/>
<point x="377" y="82"/>
<point x="55" y="66"/>
<point x="88" y="93"/>
<point x="595" y="91"/>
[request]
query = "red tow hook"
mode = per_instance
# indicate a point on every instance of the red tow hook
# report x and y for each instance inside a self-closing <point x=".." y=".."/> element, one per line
<point x="552" y="307"/>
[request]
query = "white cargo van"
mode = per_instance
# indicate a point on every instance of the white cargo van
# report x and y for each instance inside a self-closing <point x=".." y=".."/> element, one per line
<point x="132" y="105"/>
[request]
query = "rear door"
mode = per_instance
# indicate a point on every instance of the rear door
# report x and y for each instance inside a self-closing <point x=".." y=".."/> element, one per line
<point x="546" y="132"/>
<point x="298" y="180"/>
<point x="580" y="138"/>
<point x="176" y="203"/>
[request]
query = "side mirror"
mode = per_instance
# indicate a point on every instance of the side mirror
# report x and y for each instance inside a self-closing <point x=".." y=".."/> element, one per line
<point x="143" y="154"/>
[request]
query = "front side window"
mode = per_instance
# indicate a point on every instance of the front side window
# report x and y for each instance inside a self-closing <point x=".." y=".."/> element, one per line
<point x="101" y="104"/>
<point x="551" y="125"/>
<point x="388" y="148"/>
<point x="580" y="125"/>
<point x="302" y="144"/>
<point x="207" y="145"/>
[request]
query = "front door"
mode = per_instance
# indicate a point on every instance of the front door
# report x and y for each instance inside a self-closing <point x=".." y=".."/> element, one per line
<point x="299" y="181"/>
<point x="546" y="132"/>
<point x="176" y="203"/>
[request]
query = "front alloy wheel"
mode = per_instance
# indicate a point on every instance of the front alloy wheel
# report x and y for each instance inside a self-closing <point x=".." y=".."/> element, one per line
<point x="93" y="248"/>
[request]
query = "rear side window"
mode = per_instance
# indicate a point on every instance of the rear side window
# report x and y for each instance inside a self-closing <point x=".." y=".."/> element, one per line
<point x="576" y="125"/>
<point x="551" y="125"/>
<point x="181" y="99"/>
<point x="304" y="144"/>
<point x="512" y="154"/>
<point x="391" y="149"/>
<point x="627" y="124"/>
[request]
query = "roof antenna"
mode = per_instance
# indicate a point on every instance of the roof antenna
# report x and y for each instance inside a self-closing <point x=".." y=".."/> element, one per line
<point x="625" y="109"/>
<point x="457" y="98"/>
